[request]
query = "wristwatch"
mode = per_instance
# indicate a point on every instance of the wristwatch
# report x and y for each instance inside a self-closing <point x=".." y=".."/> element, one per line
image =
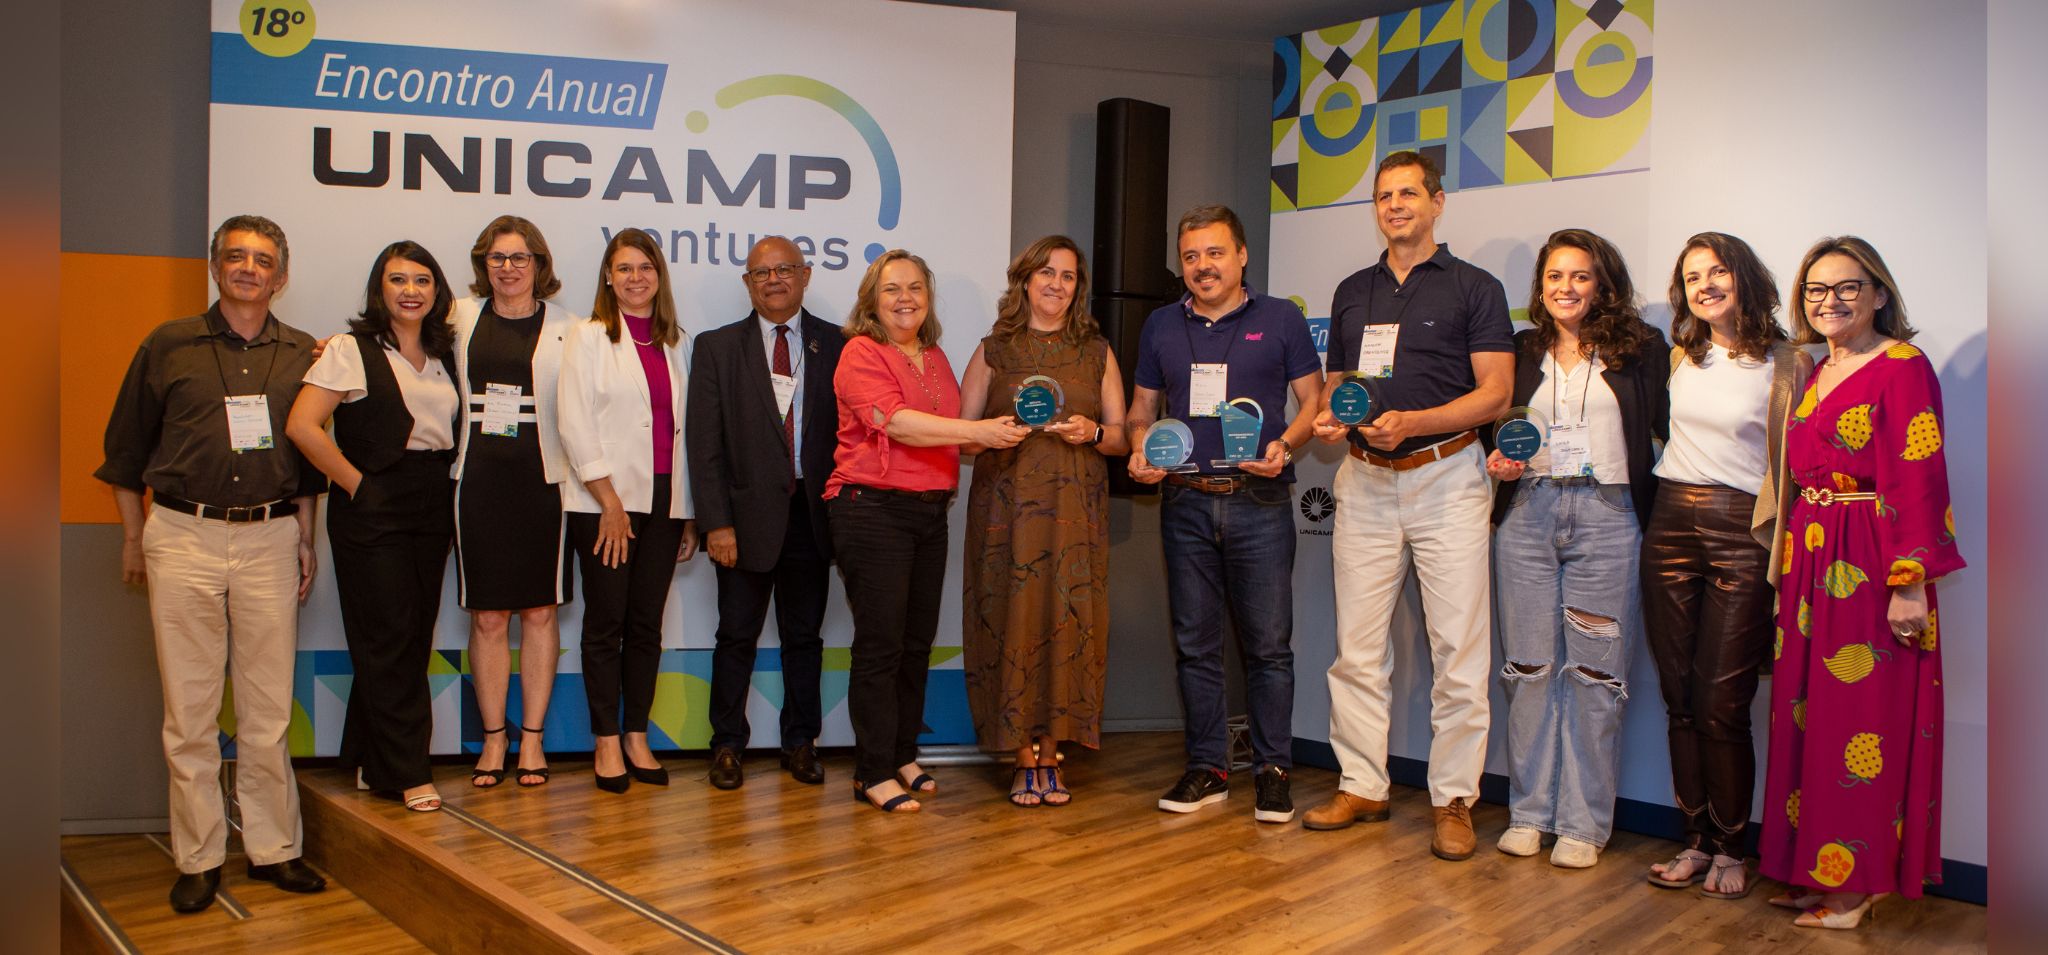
<point x="1288" y="455"/>
<point x="1098" y="436"/>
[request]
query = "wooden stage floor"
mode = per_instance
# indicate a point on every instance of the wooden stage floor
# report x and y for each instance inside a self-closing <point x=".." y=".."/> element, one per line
<point x="781" y="867"/>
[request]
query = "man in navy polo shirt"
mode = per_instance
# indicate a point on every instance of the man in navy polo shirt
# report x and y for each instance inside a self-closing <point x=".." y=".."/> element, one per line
<point x="1227" y="529"/>
<point x="1433" y="332"/>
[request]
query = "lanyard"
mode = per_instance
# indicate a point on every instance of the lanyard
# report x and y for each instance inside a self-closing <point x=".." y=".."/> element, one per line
<point x="1585" y="391"/>
<point x="1372" y="295"/>
<point x="1230" y="341"/>
<point x="221" y="370"/>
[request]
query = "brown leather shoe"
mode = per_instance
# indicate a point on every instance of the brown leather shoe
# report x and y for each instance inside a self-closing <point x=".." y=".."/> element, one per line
<point x="725" y="768"/>
<point x="1454" y="839"/>
<point x="1344" y="809"/>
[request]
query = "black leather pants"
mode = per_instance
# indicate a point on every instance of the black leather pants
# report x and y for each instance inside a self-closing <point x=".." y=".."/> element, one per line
<point x="1707" y="603"/>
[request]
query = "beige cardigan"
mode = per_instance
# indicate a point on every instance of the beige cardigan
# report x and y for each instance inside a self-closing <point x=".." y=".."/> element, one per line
<point x="1790" y="366"/>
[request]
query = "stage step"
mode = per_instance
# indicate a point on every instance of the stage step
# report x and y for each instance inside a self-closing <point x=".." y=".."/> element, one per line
<point x="115" y="900"/>
<point x="460" y="882"/>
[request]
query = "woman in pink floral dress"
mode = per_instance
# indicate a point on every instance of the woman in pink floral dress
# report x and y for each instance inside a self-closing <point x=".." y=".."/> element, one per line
<point x="1852" y="805"/>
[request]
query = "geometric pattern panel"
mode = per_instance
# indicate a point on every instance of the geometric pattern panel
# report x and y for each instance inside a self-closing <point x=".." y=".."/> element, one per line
<point x="1498" y="92"/>
<point x="679" y="719"/>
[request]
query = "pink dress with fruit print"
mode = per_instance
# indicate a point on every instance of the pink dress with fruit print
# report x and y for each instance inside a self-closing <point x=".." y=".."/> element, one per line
<point x="1852" y="796"/>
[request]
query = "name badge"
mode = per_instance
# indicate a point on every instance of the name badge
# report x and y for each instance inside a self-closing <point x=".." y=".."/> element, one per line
<point x="501" y="410"/>
<point x="1208" y="388"/>
<point x="1376" y="350"/>
<point x="1571" y="450"/>
<point x="785" y="392"/>
<point x="249" y="423"/>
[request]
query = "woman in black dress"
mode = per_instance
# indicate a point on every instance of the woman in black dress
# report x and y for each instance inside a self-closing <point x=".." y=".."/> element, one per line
<point x="510" y="541"/>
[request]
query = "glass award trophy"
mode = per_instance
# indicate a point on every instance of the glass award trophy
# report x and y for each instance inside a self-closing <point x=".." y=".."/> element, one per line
<point x="1038" y="401"/>
<point x="1168" y="445"/>
<point x="1351" y="402"/>
<point x="1242" y="419"/>
<point x="1518" y="435"/>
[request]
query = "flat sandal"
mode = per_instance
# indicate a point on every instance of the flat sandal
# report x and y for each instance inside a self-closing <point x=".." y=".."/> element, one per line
<point x="1698" y="874"/>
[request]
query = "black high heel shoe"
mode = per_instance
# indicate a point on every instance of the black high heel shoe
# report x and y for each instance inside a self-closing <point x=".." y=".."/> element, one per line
<point x="486" y="778"/>
<point x="523" y="773"/>
<point x="613" y="784"/>
<point x="658" y="776"/>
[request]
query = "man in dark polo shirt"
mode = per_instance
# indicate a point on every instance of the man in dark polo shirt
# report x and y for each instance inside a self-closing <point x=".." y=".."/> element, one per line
<point x="1433" y="332"/>
<point x="1227" y="529"/>
<point x="226" y="549"/>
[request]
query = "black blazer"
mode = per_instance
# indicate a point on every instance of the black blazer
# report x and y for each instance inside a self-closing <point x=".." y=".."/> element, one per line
<point x="739" y="460"/>
<point x="1641" y="387"/>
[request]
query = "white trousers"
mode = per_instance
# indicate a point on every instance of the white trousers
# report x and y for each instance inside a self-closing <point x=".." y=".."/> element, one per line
<point x="226" y="596"/>
<point x="1434" y="517"/>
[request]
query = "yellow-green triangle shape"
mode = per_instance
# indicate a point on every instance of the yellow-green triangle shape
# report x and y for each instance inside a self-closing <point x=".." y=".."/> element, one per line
<point x="1522" y="92"/>
<point x="1451" y="27"/>
<point x="1407" y="36"/>
<point x="1519" y="167"/>
<point x="1280" y="201"/>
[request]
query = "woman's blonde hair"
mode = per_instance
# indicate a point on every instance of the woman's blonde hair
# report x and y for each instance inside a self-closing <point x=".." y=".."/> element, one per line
<point x="866" y="320"/>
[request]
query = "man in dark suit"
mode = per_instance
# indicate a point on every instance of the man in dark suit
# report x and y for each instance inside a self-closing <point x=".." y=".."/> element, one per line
<point x="760" y="434"/>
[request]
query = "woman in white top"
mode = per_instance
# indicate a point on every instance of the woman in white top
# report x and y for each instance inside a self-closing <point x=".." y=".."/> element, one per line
<point x="624" y="377"/>
<point x="1709" y="563"/>
<point x="391" y="392"/>
<point x="511" y="539"/>
<point x="1569" y="522"/>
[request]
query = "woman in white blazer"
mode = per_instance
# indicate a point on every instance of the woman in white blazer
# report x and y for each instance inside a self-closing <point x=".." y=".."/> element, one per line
<point x="511" y="551"/>
<point x="624" y="376"/>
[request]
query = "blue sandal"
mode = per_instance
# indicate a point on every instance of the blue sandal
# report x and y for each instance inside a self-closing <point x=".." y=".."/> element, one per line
<point x="1023" y="783"/>
<point x="1052" y="785"/>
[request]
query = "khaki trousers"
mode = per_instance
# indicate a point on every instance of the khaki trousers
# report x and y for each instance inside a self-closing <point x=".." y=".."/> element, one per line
<point x="226" y="596"/>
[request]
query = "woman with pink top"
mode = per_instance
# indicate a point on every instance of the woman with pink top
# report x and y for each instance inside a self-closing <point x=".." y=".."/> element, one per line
<point x="624" y="374"/>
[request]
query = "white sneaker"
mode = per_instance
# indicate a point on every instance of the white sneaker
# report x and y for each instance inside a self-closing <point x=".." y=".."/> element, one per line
<point x="1570" y="853"/>
<point x="1520" y="841"/>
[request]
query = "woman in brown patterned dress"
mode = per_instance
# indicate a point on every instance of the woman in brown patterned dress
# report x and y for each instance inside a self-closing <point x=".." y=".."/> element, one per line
<point x="1037" y="554"/>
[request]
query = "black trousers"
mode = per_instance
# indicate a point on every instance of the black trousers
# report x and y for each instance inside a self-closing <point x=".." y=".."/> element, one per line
<point x="892" y="556"/>
<point x="798" y="583"/>
<point x="390" y="544"/>
<point x="1707" y="604"/>
<point x="622" y="609"/>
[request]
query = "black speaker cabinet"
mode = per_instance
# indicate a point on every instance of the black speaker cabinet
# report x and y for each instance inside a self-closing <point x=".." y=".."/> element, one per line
<point x="1130" y="274"/>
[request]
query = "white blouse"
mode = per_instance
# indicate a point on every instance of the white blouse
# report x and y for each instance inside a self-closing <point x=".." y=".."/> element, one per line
<point x="1581" y="397"/>
<point x="429" y="394"/>
<point x="1720" y="429"/>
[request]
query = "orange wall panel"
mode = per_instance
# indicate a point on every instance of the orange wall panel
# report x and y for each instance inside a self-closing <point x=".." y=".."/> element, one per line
<point x="108" y="303"/>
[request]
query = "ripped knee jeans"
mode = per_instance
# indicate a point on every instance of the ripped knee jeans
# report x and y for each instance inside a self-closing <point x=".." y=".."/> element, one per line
<point x="1569" y="614"/>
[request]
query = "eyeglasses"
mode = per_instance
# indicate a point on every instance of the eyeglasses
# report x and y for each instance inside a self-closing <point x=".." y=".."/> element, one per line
<point x="782" y="272"/>
<point x="1844" y="291"/>
<point x="517" y="260"/>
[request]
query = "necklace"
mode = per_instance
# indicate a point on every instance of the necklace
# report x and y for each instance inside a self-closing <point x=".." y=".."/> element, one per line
<point x="919" y="377"/>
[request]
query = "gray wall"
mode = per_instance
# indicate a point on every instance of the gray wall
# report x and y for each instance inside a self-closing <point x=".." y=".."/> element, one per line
<point x="134" y="139"/>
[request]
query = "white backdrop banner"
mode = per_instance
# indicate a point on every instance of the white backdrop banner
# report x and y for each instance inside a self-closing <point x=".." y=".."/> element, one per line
<point x="843" y="125"/>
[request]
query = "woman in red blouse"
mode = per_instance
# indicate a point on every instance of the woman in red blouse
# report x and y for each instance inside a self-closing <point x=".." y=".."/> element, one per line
<point x="894" y="474"/>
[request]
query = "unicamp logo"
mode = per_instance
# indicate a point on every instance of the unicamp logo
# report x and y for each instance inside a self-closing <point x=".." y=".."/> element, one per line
<point x="890" y="209"/>
<point x="1317" y="506"/>
<point x="545" y="167"/>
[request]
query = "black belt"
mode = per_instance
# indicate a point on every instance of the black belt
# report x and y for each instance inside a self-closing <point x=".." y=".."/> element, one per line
<point x="1575" y="480"/>
<point x="922" y="497"/>
<point x="233" y="515"/>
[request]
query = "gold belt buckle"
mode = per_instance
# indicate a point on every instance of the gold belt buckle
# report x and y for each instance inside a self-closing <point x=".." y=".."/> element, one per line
<point x="1818" y="496"/>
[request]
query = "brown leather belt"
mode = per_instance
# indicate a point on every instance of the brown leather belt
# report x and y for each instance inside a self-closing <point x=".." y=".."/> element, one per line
<point x="1211" y="483"/>
<point x="1435" y="452"/>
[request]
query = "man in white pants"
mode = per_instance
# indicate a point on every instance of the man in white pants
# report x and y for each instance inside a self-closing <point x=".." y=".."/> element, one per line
<point x="1432" y="331"/>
